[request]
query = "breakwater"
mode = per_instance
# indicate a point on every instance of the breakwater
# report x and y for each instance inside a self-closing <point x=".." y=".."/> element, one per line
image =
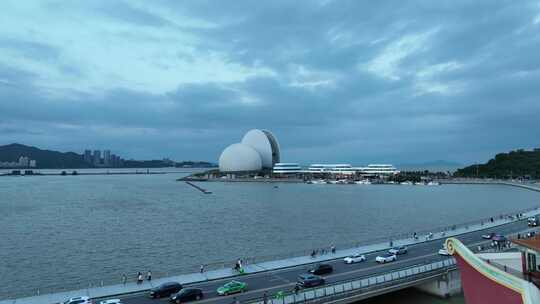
<point x="528" y="186"/>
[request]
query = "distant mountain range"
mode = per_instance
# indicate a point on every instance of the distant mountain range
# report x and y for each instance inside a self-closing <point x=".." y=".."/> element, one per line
<point x="44" y="158"/>
<point x="64" y="160"/>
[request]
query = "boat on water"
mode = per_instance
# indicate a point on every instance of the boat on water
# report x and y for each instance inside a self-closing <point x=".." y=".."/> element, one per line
<point x="432" y="183"/>
<point x="406" y="183"/>
<point x="363" y="182"/>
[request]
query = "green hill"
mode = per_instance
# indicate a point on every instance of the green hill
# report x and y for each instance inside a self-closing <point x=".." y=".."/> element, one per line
<point x="518" y="163"/>
<point x="44" y="158"/>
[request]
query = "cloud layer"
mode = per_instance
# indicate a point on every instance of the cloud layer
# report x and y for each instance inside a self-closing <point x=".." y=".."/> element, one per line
<point x="334" y="80"/>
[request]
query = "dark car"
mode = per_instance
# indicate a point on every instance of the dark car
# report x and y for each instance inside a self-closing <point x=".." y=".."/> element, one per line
<point x="322" y="269"/>
<point x="165" y="289"/>
<point x="186" y="295"/>
<point x="309" y="280"/>
<point x="488" y="236"/>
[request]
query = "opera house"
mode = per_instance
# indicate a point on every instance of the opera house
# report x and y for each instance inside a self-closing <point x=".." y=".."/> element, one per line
<point x="258" y="150"/>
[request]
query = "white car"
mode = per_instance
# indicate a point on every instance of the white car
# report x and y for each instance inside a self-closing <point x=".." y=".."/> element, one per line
<point x="386" y="258"/>
<point x="444" y="250"/>
<point x="111" y="301"/>
<point x="79" y="300"/>
<point x="356" y="258"/>
<point x="398" y="250"/>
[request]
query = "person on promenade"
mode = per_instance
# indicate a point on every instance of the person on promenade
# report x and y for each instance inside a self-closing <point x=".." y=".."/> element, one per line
<point x="124" y="279"/>
<point x="313" y="254"/>
<point x="139" y="278"/>
<point x="265" y="297"/>
<point x="149" y="275"/>
<point x="333" y="248"/>
<point x="202" y="268"/>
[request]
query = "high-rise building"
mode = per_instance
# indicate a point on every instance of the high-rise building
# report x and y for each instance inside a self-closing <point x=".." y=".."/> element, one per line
<point x="88" y="157"/>
<point x="97" y="157"/>
<point x="107" y="158"/>
<point x="114" y="160"/>
<point x="24" y="161"/>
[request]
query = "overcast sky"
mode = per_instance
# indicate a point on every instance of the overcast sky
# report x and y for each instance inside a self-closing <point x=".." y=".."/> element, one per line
<point x="348" y="81"/>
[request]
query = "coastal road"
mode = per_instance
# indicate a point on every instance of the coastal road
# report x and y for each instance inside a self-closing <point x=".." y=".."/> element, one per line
<point x="285" y="279"/>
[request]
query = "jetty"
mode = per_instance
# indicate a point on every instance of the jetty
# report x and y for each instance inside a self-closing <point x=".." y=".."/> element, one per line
<point x="199" y="188"/>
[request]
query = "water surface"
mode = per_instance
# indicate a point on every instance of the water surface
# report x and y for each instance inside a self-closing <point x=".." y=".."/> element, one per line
<point x="66" y="232"/>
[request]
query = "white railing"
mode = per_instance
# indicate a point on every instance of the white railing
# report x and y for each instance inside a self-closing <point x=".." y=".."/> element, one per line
<point x="356" y="286"/>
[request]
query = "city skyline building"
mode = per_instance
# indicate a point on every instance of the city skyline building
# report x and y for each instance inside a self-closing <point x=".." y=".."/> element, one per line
<point x="88" y="156"/>
<point x="107" y="157"/>
<point x="97" y="157"/>
<point x="24" y="161"/>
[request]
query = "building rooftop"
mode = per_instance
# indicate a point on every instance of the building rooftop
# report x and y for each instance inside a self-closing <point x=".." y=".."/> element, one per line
<point x="531" y="243"/>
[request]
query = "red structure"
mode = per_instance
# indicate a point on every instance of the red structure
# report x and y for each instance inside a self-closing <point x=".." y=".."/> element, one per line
<point x="483" y="283"/>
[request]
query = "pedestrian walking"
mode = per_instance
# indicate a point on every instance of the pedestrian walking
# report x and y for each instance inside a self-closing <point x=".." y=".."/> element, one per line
<point x="202" y="268"/>
<point x="313" y="254"/>
<point x="296" y="289"/>
<point x="265" y="297"/>
<point x="149" y="275"/>
<point x="124" y="279"/>
<point x="139" y="278"/>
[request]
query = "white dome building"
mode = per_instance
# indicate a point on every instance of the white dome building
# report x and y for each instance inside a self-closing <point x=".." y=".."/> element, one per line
<point x="239" y="157"/>
<point x="258" y="150"/>
<point x="266" y="144"/>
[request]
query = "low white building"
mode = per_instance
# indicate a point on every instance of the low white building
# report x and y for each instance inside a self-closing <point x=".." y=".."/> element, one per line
<point x="287" y="168"/>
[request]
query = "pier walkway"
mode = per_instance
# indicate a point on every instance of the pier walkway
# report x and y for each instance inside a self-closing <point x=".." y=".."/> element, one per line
<point x="252" y="270"/>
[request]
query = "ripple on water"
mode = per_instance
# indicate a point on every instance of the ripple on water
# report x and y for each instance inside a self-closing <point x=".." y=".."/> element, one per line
<point x="66" y="232"/>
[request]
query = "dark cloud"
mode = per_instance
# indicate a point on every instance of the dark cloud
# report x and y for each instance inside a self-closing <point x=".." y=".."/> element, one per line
<point x="460" y="82"/>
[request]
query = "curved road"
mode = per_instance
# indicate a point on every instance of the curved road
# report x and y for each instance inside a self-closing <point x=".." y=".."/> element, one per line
<point x="285" y="279"/>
